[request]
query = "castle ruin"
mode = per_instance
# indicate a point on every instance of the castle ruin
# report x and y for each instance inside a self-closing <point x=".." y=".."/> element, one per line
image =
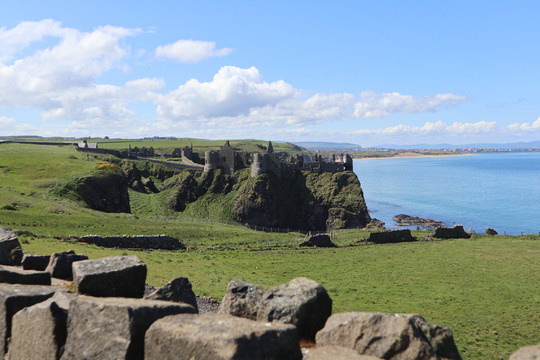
<point x="232" y="160"/>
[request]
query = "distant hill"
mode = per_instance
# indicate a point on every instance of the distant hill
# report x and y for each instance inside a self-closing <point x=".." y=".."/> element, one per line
<point x="327" y="146"/>
<point x="513" y="146"/>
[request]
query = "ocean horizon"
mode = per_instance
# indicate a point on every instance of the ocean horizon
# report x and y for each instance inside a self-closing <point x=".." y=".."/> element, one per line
<point x="496" y="190"/>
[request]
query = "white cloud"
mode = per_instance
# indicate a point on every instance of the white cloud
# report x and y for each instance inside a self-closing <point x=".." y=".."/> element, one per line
<point x="525" y="127"/>
<point x="373" y="105"/>
<point x="191" y="51"/>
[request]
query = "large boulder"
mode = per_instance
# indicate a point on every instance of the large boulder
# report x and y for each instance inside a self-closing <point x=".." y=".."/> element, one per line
<point x="10" y="248"/>
<point x="319" y="240"/>
<point x="178" y="290"/>
<point x="334" y="353"/>
<point x="392" y="236"/>
<point x="241" y="299"/>
<point x="120" y="276"/>
<point x="456" y="232"/>
<point x="16" y="275"/>
<point x="388" y="336"/>
<point x="301" y="302"/>
<point x="35" y="262"/>
<point x="531" y="352"/>
<point x="220" y="337"/>
<point x="14" y="298"/>
<point x="39" y="331"/>
<point x="113" y="328"/>
<point x="60" y="264"/>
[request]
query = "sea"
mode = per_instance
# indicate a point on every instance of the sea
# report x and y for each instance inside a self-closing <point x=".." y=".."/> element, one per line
<point x="497" y="190"/>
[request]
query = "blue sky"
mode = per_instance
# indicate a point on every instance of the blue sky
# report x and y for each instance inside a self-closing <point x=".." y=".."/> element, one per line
<point x="367" y="72"/>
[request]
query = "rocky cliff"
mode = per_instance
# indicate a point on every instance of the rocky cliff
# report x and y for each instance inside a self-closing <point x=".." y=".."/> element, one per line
<point x="302" y="201"/>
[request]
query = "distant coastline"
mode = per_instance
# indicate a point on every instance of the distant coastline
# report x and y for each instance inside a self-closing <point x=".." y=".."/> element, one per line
<point x="408" y="155"/>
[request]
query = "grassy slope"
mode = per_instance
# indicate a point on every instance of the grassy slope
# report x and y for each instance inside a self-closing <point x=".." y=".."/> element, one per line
<point x="484" y="289"/>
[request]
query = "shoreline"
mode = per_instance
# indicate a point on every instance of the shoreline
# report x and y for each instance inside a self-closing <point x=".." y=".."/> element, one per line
<point x="408" y="155"/>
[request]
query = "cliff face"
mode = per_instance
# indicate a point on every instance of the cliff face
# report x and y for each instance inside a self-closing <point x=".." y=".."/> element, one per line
<point x="104" y="190"/>
<point x="306" y="201"/>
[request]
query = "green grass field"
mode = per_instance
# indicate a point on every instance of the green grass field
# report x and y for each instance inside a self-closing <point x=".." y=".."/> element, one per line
<point x="486" y="289"/>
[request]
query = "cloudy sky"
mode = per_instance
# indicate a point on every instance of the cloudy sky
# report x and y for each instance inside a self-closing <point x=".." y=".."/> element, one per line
<point x="367" y="72"/>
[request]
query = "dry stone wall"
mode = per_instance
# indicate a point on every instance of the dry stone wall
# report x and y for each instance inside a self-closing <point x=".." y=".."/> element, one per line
<point x="163" y="242"/>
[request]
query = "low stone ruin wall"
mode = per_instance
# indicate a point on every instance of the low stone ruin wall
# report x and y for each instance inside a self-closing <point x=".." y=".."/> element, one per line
<point x="395" y="236"/>
<point x="163" y="242"/>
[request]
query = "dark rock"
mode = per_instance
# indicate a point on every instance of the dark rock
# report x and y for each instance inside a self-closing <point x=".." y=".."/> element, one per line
<point x="388" y="336"/>
<point x="375" y="224"/>
<point x="39" y="331"/>
<point x="321" y="240"/>
<point x="148" y="289"/>
<point x="393" y="236"/>
<point x="14" y="298"/>
<point x="407" y="220"/>
<point x="16" y="275"/>
<point x="121" y="276"/>
<point x="149" y="184"/>
<point x="220" y="337"/>
<point x="10" y="248"/>
<point x="490" y="231"/>
<point x="178" y="290"/>
<point x="60" y="264"/>
<point x="334" y="353"/>
<point x="241" y="299"/>
<point x="35" y="262"/>
<point x="531" y="352"/>
<point x="113" y="328"/>
<point x="456" y="232"/>
<point x="301" y="302"/>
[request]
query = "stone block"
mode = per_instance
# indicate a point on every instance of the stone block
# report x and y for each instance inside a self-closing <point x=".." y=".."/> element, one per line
<point x="35" y="262"/>
<point x="60" y="264"/>
<point x="388" y="336"/>
<point x="16" y="275"/>
<point x="120" y="276"/>
<point x="393" y="236"/>
<point x="39" y="331"/>
<point x="241" y="299"/>
<point x="113" y="328"/>
<point x="301" y="302"/>
<point x="14" y="298"/>
<point x="178" y="290"/>
<point x="213" y="337"/>
<point x="10" y="248"/>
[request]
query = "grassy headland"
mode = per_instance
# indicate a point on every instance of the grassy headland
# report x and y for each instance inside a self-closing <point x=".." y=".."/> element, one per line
<point x="484" y="288"/>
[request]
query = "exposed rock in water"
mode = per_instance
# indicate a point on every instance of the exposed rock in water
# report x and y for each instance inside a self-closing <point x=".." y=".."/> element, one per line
<point x="407" y="220"/>
<point x="490" y="231"/>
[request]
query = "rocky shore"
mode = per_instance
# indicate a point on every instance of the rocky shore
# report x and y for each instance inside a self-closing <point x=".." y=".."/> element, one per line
<point x="407" y="220"/>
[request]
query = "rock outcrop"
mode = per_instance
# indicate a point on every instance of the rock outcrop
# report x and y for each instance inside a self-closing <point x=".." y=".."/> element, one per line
<point x="407" y="220"/>
<point x="60" y="264"/>
<point x="456" y="232"/>
<point x="320" y="240"/>
<point x="531" y="352"/>
<point x="104" y="190"/>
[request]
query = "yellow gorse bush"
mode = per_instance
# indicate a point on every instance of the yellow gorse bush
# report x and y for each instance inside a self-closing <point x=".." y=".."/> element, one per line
<point x="105" y="166"/>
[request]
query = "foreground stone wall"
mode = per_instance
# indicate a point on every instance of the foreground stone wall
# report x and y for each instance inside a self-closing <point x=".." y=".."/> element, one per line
<point x="59" y="322"/>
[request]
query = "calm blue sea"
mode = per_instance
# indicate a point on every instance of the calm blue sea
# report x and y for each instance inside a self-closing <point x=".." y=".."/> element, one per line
<point x="497" y="190"/>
